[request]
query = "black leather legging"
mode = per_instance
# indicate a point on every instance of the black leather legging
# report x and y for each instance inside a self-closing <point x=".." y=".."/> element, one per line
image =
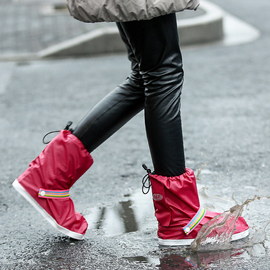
<point x="154" y="85"/>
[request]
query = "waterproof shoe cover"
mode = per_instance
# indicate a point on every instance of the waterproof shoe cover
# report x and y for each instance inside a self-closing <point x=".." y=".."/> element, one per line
<point x="178" y="211"/>
<point x="46" y="183"/>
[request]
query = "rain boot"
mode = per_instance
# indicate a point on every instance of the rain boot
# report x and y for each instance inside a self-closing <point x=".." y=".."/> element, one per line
<point x="46" y="183"/>
<point x="178" y="211"/>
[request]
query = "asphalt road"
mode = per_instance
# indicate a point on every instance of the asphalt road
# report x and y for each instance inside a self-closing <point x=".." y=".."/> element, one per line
<point x="225" y="110"/>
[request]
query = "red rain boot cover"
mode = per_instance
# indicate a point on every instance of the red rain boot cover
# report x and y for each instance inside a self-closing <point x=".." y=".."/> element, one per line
<point x="56" y="169"/>
<point x="176" y="202"/>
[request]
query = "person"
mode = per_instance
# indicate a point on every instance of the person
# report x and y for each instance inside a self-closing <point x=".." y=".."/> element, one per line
<point x="154" y="85"/>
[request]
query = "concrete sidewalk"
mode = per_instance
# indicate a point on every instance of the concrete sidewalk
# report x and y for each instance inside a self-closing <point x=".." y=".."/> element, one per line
<point x="35" y="28"/>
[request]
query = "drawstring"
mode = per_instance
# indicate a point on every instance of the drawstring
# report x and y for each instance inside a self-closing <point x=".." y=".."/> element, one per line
<point x="69" y="123"/>
<point x="146" y="184"/>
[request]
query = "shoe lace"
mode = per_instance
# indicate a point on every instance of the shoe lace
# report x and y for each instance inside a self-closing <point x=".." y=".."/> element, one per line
<point x="67" y="127"/>
<point x="146" y="184"/>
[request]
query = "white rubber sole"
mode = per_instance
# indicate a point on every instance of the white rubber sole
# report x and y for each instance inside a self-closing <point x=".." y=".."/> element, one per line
<point x="20" y="189"/>
<point x="187" y="242"/>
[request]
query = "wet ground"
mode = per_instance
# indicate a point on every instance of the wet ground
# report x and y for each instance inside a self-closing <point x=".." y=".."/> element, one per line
<point x="225" y="112"/>
<point x="219" y="128"/>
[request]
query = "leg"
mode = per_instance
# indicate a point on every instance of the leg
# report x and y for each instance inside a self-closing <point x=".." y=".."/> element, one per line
<point x="45" y="184"/>
<point x="176" y="201"/>
<point x="156" y="49"/>
<point x="117" y="108"/>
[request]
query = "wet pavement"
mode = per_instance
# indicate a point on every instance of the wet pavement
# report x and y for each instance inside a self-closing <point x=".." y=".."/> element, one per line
<point x="225" y="112"/>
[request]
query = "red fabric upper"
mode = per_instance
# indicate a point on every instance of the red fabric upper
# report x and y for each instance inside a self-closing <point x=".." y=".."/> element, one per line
<point x="176" y="201"/>
<point x="60" y="164"/>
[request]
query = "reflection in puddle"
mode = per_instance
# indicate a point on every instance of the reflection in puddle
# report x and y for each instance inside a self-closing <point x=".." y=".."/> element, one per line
<point x="131" y="215"/>
<point x="195" y="260"/>
<point x="136" y="214"/>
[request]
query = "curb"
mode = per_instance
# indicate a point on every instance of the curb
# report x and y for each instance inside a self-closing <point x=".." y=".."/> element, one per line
<point x="202" y="29"/>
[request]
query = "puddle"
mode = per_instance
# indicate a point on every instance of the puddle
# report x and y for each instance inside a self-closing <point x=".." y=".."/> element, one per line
<point x="135" y="214"/>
